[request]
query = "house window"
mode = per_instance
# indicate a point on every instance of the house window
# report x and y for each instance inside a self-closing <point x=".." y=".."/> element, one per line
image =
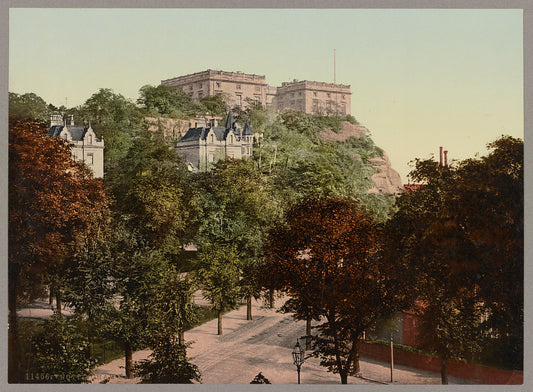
<point x="90" y="158"/>
<point x="90" y="139"/>
<point x="212" y="138"/>
<point x="239" y="100"/>
<point x="231" y="139"/>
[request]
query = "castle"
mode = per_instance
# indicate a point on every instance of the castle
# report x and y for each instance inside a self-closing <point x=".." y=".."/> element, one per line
<point x="237" y="88"/>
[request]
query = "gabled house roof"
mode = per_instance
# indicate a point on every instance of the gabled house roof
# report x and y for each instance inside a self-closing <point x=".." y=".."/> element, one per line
<point x="76" y="132"/>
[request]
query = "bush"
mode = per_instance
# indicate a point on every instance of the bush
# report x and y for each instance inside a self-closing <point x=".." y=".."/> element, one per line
<point x="60" y="353"/>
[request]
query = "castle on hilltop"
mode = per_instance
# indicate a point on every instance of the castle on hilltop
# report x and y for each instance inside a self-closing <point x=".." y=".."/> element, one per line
<point x="237" y="88"/>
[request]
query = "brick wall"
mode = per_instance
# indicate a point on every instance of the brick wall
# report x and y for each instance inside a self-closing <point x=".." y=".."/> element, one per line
<point x="477" y="373"/>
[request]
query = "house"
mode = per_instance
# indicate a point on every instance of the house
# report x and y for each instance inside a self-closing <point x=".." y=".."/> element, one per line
<point x="203" y="145"/>
<point x="85" y="146"/>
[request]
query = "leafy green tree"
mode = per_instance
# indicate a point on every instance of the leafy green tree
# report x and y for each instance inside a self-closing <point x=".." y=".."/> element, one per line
<point x="154" y="194"/>
<point x="114" y="119"/>
<point x="172" y="309"/>
<point x="60" y="353"/>
<point x="327" y="259"/>
<point x="168" y="365"/>
<point x="215" y="105"/>
<point x="29" y="106"/>
<point x="238" y="210"/>
<point x="219" y="274"/>
<point x="166" y="101"/>
<point x="461" y="236"/>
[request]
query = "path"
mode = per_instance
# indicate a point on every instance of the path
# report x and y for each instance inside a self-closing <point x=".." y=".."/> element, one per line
<point x="263" y="345"/>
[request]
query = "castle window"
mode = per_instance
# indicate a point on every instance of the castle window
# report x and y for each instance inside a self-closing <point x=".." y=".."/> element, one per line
<point x="257" y="88"/>
<point x="238" y="87"/>
<point x="218" y="84"/>
<point x="314" y="93"/>
<point x="329" y="95"/>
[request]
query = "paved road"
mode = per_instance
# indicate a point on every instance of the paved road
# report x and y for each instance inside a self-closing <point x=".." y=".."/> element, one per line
<point x="264" y="345"/>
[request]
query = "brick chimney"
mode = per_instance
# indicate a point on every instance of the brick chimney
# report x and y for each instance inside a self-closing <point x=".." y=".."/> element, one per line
<point x="440" y="161"/>
<point x="446" y="158"/>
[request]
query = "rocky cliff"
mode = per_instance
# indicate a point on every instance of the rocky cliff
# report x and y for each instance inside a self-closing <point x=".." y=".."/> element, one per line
<point x="386" y="180"/>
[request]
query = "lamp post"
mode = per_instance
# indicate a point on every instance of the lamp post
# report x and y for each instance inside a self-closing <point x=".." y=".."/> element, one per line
<point x="298" y="357"/>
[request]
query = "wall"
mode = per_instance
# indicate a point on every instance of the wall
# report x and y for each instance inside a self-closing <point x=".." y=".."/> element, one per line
<point x="477" y="373"/>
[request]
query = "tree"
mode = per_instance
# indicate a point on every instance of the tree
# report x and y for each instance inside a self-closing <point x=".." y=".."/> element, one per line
<point x="215" y="105"/>
<point x="154" y="193"/>
<point x="166" y="101"/>
<point x="54" y="206"/>
<point x="171" y="311"/>
<point x="28" y="106"/>
<point x="60" y="353"/>
<point x="461" y="236"/>
<point x="327" y="259"/>
<point x="219" y="273"/>
<point x="238" y="210"/>
<point x="155" y="209"/>
<point x="115" y="119"/>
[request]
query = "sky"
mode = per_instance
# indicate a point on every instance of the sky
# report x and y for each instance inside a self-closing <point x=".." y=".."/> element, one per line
<point x="420" y="79"/>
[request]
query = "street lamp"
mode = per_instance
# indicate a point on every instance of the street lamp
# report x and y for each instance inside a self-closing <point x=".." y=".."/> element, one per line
<point x="298" y="357"/>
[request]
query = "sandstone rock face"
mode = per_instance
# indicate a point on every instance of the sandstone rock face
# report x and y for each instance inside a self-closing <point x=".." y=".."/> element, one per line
<point x="348" y="130"/>
<point x="386" y="180"/>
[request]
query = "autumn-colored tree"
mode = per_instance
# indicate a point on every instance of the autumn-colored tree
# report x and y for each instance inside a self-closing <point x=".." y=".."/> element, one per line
<point x="327" y="259"/>
<point x="54" y="206"/>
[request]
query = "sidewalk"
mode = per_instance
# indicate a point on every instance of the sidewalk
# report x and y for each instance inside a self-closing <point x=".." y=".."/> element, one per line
<point x="263" y="345"/>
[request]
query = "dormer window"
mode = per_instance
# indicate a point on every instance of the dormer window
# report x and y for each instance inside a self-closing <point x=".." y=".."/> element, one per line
<point x="212" y="138"/>
<point x="90" y="139"/>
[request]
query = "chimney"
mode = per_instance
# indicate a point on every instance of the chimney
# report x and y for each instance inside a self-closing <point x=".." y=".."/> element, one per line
<point x="56" y="119"/>
<point x="446" y="158"/>
<point x="70" y="119"/>
<point x="440" y="149"/>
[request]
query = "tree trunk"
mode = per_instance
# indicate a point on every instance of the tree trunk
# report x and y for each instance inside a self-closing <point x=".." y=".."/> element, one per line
<point x="249" y="308"/>
<point x="181" y="337"/>
<point x="220" y="322"/>
<point x="443" y="372"/>
<point x="271" y="298"/>
<point x="59" y="303"/>
<point x="129" y="360"/>
<point x="344" y="377"/>
<point x="308" y="334"/>
<point x="12" y="331"/>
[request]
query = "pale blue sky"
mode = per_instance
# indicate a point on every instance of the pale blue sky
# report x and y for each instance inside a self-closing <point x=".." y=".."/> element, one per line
<point x="420" y="78"/>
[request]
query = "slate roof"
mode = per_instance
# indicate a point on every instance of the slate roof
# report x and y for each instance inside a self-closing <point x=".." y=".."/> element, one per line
<point x="195" y="134"/>
<point x="247" y="130"/>
<point x="77" y="132"/>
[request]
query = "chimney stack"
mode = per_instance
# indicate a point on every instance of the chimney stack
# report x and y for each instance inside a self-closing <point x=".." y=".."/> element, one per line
<point x="440" y="161"/>
<point x="446" y="158"/>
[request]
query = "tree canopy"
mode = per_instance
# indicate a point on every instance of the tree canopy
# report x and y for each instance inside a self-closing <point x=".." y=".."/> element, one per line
<point x="327" y="259"/>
